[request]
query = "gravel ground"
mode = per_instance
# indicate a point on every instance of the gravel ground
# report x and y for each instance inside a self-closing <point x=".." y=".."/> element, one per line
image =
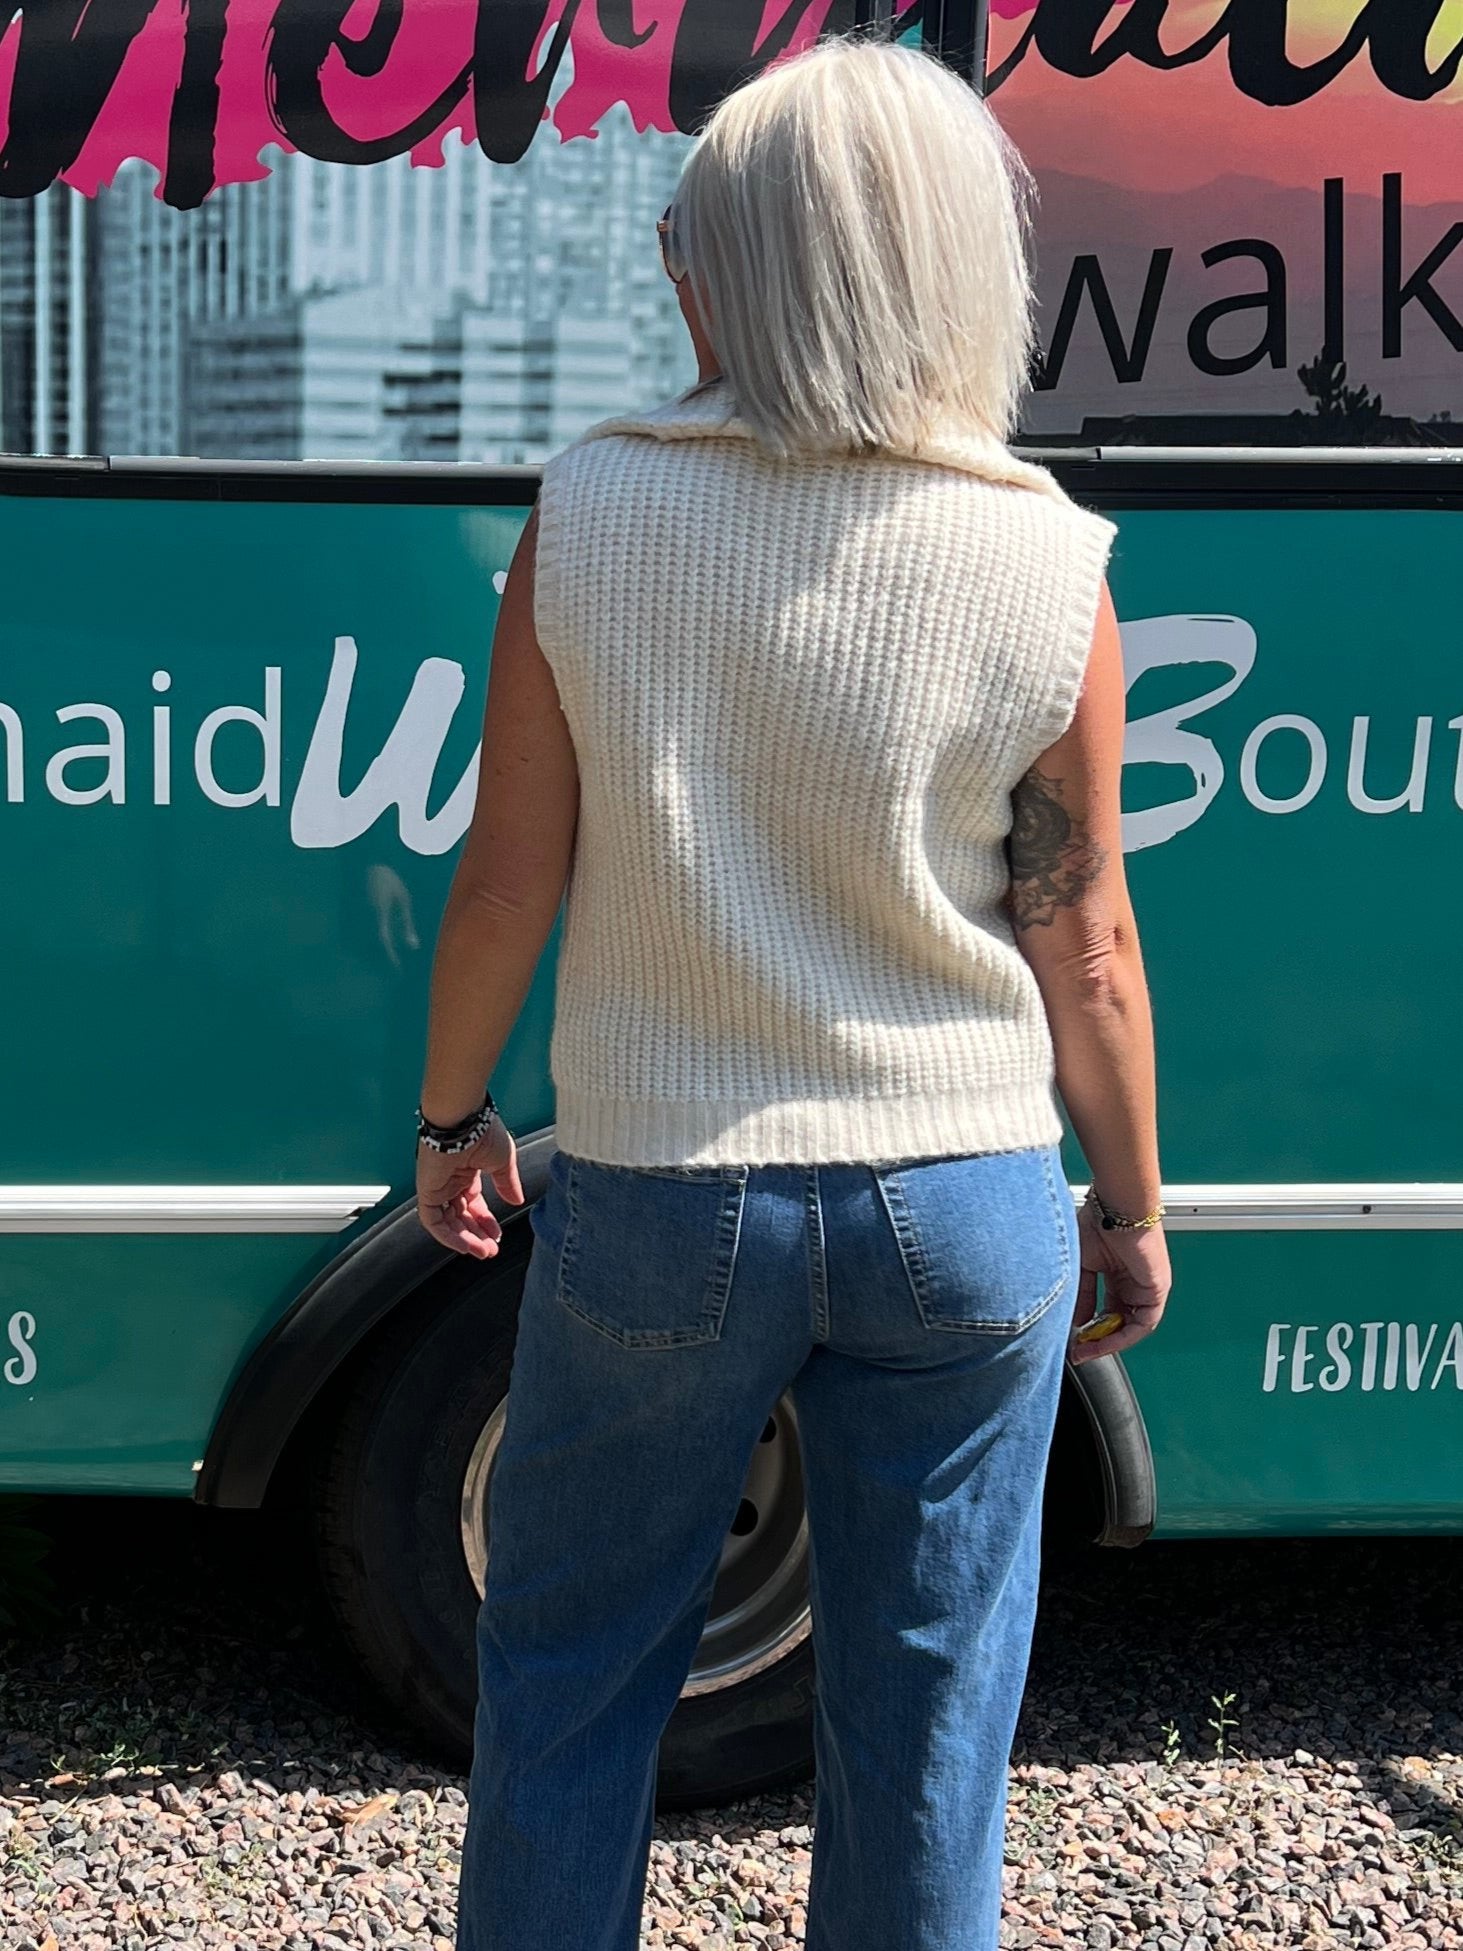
<point x="1240" y="1745"/>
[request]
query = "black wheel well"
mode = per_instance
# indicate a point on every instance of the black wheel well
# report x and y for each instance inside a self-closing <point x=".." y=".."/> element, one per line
<point x="310" y="1352"/>
<point x="1100" y="1487"/>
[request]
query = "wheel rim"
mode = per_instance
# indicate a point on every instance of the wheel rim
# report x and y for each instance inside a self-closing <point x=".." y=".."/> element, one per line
<point x="759" y="1604"/>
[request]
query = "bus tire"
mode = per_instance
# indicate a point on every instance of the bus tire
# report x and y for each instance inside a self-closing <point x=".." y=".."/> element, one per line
<point x="411" y="1423"/>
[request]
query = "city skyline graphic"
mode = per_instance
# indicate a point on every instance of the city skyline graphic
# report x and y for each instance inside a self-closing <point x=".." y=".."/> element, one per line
<point x="465" y="312"/>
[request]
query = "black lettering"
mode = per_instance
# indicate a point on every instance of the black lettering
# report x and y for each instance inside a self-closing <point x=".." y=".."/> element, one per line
<point x="1334" y="254"/>
<point x="1272" y="301"/>
<point x="1399" y="32"/>
<point x="716" y="48"/>
<point x="1149" y="14"/>
<point x="1068" y="34"/>
<point x="1397" y="295"/>
<point x="1066" y="37"/>
<point x="617" y="24"/>
<point x="301" y="36"/>
<point x="67" y="57"/>
<point x="367" y="54"/>
<point x="194" y="118"/>
<point x="999" y="75"/>
<point x="1065" y="34"/>
<point x="1262" y="67"/>
<point x="1128" y="361"/>
<point x="508" y="105"/>
<point x="69" y="53"/>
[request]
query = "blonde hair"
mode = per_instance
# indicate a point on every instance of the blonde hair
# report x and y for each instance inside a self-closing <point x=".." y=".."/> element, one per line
<point x="855" y="223"/>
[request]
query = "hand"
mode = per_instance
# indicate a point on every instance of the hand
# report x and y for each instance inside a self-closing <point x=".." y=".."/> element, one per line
<point x="450" y="1202"/>
<point x="1136" y="1279"/>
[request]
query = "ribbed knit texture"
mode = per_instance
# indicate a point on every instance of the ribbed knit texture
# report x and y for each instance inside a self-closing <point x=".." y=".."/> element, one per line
<point x="801" y="693"/>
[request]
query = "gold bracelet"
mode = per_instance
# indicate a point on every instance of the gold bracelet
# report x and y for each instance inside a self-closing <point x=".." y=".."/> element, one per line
<point x="1122" y="1222"/>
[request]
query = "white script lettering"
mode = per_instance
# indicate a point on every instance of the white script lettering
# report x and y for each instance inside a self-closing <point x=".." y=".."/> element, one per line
<point x="21" y="1367"/>
<point x="401" y="773"/>
<point x="1151" y="644"/>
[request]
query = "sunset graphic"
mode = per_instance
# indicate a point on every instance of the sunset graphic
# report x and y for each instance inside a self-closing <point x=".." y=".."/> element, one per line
<point x="1147" y="129"/>
<point x="1145" y="167"/>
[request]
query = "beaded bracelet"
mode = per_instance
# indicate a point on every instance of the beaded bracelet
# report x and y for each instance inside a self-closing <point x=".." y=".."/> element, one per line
<point x="462" y="1136"/>
<point x="1121" y="1222"/>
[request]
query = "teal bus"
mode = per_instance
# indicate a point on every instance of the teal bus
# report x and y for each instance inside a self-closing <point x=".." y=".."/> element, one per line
<point x="239" y="709"/>
<point x="327" y="298"/>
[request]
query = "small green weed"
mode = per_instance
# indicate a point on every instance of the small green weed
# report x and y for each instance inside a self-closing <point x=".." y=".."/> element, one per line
<point x="1222" y="1722"/>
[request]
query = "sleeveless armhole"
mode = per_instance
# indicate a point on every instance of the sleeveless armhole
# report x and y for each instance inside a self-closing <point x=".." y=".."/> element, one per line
<point x="548" y="557"/>
<point x="1082" y="565"/>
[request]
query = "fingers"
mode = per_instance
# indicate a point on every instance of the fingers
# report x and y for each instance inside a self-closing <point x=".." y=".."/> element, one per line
<point x="476" y="1208"/>
<point x="451" y="1204"/>
<point x="1086" y="1297"/>
<point x="454" y="1211"/>
<point x="461" y="1237"/>
<point x="458" y="1227"/>
<point x="1136" y="1296"/>
<point x="504" y="1176"/>
<point x="1133" y="1329"/>
<point x="1139" y="1321"/>
<point x="507" y="1183"/>
<point x="1128" y="1336"/>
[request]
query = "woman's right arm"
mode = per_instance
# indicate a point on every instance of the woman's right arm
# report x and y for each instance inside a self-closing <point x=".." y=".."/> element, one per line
<point x="1074" y="923"/>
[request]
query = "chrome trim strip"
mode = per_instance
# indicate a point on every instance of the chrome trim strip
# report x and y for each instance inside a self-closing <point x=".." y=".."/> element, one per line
<point x="1396" y="1207"/>
<point x="1401" y="1207"/>
<point x="1445" y="457"/>
<point x="184" y="1209"/>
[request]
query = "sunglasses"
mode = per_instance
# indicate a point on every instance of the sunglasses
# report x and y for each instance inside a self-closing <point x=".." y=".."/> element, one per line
<point x="671" y="254"/>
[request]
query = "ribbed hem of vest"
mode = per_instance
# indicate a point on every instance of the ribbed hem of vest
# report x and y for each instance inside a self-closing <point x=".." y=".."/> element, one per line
<point x="796" y="1131"/>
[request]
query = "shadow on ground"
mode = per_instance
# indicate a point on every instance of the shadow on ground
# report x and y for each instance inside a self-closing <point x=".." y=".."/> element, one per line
<point x="191" y="1641"/>
<point x="1349" y="1649"/>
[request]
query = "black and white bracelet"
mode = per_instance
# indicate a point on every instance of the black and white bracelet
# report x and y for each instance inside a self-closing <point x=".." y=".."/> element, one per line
<point x="460" y="1137"/>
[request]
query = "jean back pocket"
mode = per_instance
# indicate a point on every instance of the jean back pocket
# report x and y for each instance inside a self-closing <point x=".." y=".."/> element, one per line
<point x="648" y="1253"/>
<point x="988" y="1241"/>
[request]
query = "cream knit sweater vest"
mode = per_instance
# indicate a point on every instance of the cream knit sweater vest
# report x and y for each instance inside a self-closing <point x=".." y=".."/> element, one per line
<point x="801" y="693"/>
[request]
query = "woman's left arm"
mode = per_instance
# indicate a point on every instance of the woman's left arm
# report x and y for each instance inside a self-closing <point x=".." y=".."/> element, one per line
<point x="505" y="895"/>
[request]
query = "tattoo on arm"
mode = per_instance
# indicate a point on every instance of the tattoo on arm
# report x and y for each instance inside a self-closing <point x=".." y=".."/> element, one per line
<point x="1053" y="858"/>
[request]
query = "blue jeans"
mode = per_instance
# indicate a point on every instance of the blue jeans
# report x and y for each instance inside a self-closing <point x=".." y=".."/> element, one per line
<point x="921" y="1313"/>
